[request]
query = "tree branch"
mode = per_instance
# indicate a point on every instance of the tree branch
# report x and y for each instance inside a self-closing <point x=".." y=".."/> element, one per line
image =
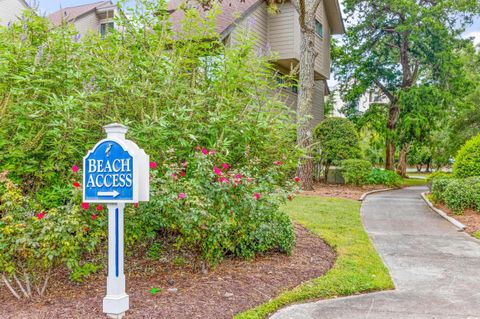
<point x="385" y="91"/>
<point x="9" y="286"/>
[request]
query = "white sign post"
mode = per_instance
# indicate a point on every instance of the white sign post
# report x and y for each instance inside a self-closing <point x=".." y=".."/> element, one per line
<point x="116" y="171"/>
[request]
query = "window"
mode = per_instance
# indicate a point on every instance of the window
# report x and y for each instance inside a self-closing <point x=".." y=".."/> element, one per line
<point x="319" y="28"/>
<point x="105" y="27"/>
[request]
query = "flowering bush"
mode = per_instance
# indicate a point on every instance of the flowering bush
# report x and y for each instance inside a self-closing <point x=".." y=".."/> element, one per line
<point x="217" y="210"/>
<point x="33" y="242"/>
<point x="56" y="92"/>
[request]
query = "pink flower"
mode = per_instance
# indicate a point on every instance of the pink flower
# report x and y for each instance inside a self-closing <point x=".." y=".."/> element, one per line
<point x="94" y="216"/>
<point x="249" y="179"/>
<point x="85" y="206"/>
<point x="238" y="176"/>
<point x="174" y="176"/>
<point x="75" y="168"/>
<point x="205" y="151"/>
<point x="40" y="215"/>
<point x="225" y="166"/>
<point x="223" y="180"/>
<point x="278" y="163"/>
<point x="76" y="184"/>
<point x="257" y="195"/>
<point x="153" y="165"/>
<point x="217" y="171"/>
<point x="99" y="208"/>
<point x="135" y="204"/>
<point x="297" y="179"/>
<point x="181" y="196"/>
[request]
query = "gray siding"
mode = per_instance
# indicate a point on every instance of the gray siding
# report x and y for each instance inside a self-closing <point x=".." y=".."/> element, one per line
<point x="257" y="23"/>
<point x="282" y="34"/>
<point x="10" y="10"/>
<point x="86" y="23"/>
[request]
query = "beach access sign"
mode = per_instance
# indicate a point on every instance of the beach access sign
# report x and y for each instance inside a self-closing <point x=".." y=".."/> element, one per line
<point x="116" y="172"/>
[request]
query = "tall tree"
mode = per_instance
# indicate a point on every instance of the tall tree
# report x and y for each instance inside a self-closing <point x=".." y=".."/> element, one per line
<point x="398" y="45"/>
<point x="306" y="10"/>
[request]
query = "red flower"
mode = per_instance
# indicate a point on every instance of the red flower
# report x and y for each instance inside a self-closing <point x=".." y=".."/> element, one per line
<point x="278" y="163"/>
<point x="40" y="215"/>
<point x="85" y="229"/>
<point x="94" y="216"/>
<point x="153" y="165"/>
<point x="297" y="179"/>
<point x="99" y="208"/>
<point x="225" y="166"/>
<point x="257" y="195"/>
<point x="135" y="204"/>
<point x="217" y="171"/>
<point x="205" y="151"/>
<point x="76" y="184"/>
<point x="75" y="168"/>
<point x="181" y="196"/>
<point x="85" y="206"/>
<point x="182" y="173"/>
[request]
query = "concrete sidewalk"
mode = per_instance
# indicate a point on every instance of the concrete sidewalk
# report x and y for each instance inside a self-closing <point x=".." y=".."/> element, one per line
<point x="436" y="268"/>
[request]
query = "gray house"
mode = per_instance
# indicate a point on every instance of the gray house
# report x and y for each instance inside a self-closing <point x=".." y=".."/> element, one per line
<point x="92" y="17"/>
<point x="279" y="33"/>
<point x="11" y="10"/>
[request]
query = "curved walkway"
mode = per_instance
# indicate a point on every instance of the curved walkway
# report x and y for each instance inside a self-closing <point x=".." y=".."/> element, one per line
<point x="436" y="269"/>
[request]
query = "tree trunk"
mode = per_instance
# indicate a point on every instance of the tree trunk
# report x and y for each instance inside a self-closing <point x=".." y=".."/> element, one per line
<point x="390" y="143"/>
<point x="307" y="9"/>
<point x="402" y="160"/>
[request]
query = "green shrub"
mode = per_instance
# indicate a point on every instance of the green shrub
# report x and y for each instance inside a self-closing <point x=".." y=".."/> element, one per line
<point x="439" y="175"/>
<point x="438" y="188"/>
<point x="356" y="171"/>
<point x="467" y="161"/>
<point x="217" y="210"/>
<point x="384" y="177"/>
<point x="459" y="195"/>
<point x="474" y="184"/>
<point x="56" y="93"/>
<point x="338" y="140"/>
<point x="35" y="241"/>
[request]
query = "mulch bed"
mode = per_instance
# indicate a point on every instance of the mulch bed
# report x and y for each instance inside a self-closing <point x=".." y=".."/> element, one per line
<point x="232" y="287"/>
<point x="341" y="191"/>
<point x="470" y="218"/>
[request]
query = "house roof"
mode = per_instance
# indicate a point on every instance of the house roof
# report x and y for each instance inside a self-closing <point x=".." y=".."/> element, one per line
<point x="72" y="13"/>
<point x="233" y="10"/>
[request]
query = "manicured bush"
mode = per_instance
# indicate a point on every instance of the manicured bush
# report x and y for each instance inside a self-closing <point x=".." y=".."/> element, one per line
<point x="438" y="188"/>
<point x="459" y="195"/>
<point x="439" y="175"/>
<point x="356" y="171"/>
<point x="338" y="140"/>
<point x="467" y="161"/>
<point x="384" y="177"/>
<point x="474" y="184"/>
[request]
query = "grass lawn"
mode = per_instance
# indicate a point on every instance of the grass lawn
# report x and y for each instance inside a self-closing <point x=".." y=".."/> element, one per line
<point x="358" y="267"/>
<point x="413" y="182"/>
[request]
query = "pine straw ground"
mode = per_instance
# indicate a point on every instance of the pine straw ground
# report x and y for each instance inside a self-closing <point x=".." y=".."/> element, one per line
<point x="185" y="292"/>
